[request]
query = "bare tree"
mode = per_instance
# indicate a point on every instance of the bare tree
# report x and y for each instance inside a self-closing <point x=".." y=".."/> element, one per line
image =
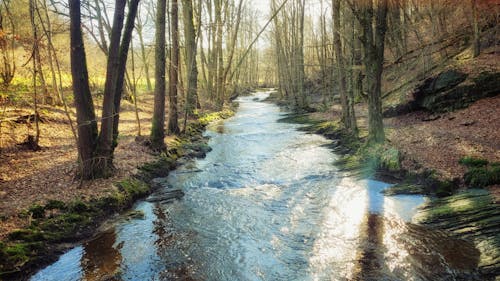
<point x="158" y="122"/>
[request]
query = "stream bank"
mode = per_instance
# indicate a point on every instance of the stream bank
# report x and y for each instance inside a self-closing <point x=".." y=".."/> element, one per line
<point x="57" y="226"/>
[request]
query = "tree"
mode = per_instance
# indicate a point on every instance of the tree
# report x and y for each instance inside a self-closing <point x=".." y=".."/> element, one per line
<point x="122" y="65"/>
<point x="113" y="88"/>
<point x="85" y="114"/>
<point x="104" y="146"/>
<point x="348" y="117"/>
<point x="373" y="19"/>
<point x="97" y="156"/>
<point x="139" y="27"/>
<point x="475" y="27"/>
<point x="158" y="121"/>
<point x="173" y="114"/>
<point x="36" y="66"/>
<point x="7" y="46"/>
<point x="190" y="57"/>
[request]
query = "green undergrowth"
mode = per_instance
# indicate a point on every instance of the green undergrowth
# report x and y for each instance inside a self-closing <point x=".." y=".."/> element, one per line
<point x="480" y="172"/>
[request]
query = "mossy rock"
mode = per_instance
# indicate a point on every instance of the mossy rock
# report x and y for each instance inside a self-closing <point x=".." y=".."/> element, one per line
<point x="134" y="188"/>
<point x="158" y="169"/>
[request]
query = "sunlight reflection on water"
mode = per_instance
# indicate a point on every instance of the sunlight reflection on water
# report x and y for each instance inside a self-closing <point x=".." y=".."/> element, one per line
<point x="267" y="204"/>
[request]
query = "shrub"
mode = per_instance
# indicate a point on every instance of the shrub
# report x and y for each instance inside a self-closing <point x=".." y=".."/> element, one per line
<point x="472" y="161"/>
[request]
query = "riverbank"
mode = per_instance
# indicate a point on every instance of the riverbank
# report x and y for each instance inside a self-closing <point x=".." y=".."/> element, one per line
<point x="58" y="211"/>
<point x="423" y="157"/>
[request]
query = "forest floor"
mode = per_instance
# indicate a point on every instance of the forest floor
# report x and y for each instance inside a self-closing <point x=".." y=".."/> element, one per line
<point x="437" y="141"/>
<point x="30" y="177"/>
<point x="439" y="144"/>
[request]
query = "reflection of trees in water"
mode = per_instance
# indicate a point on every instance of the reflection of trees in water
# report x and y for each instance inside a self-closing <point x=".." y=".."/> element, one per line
<point x="391" y="249"/>
<point x="169" y="246"/>
<point x="100" y="260"/>
<point x="370" y="257"/>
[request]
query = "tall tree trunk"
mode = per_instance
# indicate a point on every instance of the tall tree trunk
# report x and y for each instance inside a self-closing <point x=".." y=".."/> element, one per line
<point x="36" y="67"/>
<point x="475" y="27"/>
<point x="139" y="29"/>
<point x="341" y="71"/>
<point x="219" y="55"/>
<point x="173" y="118"/>
<point x="158" y="122"/>
<point x="122" y="66"/>
<point x="104" y="152"/>
<point x="190" y="57"/>
<point x="51" y="55"/>
<point x="134" y="89"/>
<point x="374" y="46"/>
<point x="85" y="114"/>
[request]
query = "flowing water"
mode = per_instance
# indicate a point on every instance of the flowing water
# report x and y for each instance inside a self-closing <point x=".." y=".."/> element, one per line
<point x="267" y="203"/>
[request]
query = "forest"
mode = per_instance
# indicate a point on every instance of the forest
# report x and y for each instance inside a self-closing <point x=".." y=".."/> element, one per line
<point x="249" y="140"/>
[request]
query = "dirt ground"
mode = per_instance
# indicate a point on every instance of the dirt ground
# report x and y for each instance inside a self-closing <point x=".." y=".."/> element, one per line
<point x="28" y="177"/>
<point x="439" y="144"/>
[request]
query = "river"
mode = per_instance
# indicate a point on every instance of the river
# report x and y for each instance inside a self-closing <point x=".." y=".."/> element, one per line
<point x="267" y="203"/>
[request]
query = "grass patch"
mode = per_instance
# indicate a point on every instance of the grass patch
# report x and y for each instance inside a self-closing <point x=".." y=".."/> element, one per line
<point x="480" y="172"/>
<point x="472" y="161"/>
<point x="478" y="177"/>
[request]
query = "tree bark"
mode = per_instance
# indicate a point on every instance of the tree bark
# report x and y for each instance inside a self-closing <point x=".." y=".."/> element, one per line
<point x="139" y="29"/>
<point x="348" y="118"/>
<point x="85" y="114"/>
<point x="158" y="130"/>
<point x="173" y="118"/>
<point x="122" y="66"/>
<point x="475" y="27"/>
<point x="190" y="57"/>
<point x="374" y="46"/>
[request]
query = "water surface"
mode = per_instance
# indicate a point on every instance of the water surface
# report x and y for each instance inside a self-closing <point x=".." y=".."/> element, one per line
<point x="267" y="203"/>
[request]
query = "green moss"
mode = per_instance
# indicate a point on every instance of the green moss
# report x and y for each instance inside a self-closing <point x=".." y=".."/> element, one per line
<point x="471" y="161"/>
<point x="133" y="188"/>
<point x="79" y="206"/>
<point x="298" y="119"/>
<point x="64" y="226"/>
<point x="159" y="168"/>
<point x="55" y="204"/>
<point x="214" y="116"/>
<point x="462" y="203"/>
<point x="405" y="188"/>
<point x="445" y="188"/>
<point x="15" y="255"/>
<point x="30" y="235"/>
<point x="37" y="211"/>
